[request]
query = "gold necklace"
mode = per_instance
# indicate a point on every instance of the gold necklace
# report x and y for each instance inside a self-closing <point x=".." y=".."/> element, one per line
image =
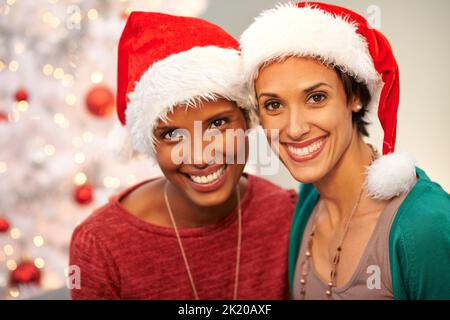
<point x="180" y="244"/>
<point x="306" y="264"/>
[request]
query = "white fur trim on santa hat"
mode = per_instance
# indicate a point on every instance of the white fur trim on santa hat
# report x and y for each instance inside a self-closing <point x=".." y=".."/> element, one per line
<point x="288" y="30"/>
<point x="120" y="144"/>
<point x="201" y="73"/>
<point x="391" y="175"/>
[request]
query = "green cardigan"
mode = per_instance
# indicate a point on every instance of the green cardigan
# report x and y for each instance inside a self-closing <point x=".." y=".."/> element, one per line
<point x="419" y="240"/>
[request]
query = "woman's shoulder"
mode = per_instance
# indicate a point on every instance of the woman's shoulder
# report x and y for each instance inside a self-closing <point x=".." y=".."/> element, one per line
<point x="90" y="233"/>
<point x="426" y="207"/>
<point x="421" y="227"/>
<point x="132" y="200"/>
<point x="419" y="242"/>
<point x="137" y="201"/>
<point x="99" y="217"/>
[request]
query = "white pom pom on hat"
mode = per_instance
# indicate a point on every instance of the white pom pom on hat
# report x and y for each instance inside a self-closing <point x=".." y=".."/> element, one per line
<point x="119" y="142"/>
<point x="391" y="175"/>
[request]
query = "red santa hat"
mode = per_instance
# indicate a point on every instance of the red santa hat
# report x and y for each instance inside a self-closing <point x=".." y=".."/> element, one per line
<point x="338" y="37"/>
<point x="165" y="61"/>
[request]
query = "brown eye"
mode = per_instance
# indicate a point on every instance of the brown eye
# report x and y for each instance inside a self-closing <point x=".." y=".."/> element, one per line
<point x="272" y="105"/>
<point x="217" y="123"/>
<point x="316" y="98"/>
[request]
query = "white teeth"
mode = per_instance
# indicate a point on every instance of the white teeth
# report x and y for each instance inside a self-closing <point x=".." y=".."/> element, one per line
<point x="209" y="178"/>
<point x="306" y="150"/>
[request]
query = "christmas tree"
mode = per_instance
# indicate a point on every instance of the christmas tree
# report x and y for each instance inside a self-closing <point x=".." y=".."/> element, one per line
<point x="57" y="75"/>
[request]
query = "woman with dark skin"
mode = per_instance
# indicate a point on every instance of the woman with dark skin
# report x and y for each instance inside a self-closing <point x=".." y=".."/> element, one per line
<point x="194" y="207"/>
<point x="205" y="230"/>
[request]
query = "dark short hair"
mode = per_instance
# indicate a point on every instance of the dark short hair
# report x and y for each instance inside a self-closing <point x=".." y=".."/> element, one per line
<point x="354" y="88"/>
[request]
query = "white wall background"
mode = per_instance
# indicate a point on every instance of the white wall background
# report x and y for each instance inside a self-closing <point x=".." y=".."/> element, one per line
<point x="418" y="32"/>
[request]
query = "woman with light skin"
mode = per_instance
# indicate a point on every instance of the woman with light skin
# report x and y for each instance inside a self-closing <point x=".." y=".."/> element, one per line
<point x="365" y="226"/>
<point x="205" y="229"/>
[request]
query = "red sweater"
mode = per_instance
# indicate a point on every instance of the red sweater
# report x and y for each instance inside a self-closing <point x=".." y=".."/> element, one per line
<point x="123" y="257"/>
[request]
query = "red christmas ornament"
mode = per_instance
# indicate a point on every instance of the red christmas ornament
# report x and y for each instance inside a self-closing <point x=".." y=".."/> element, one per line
<point x="25" y="273"/>
<point x="21" y="95"/>
<point x="3" y="117"/>
<point x="100" y="101"/>
<point x="4" y="225"/>
<point x="83" y="194"/>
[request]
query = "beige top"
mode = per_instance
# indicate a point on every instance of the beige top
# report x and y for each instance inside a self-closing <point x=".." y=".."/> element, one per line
<point x="372" y="277"/>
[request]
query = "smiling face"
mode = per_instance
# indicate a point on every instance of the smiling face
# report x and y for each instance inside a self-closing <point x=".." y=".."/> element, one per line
<point x="306" y="102"/>
<point x="210" y="170"/>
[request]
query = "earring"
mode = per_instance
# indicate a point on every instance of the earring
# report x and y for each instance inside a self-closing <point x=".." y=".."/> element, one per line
<point x="358" y="108"/>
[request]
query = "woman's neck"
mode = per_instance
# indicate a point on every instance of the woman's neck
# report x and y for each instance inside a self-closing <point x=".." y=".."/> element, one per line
<point x="188" y="214"/>
<point x="341" y="187"/>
